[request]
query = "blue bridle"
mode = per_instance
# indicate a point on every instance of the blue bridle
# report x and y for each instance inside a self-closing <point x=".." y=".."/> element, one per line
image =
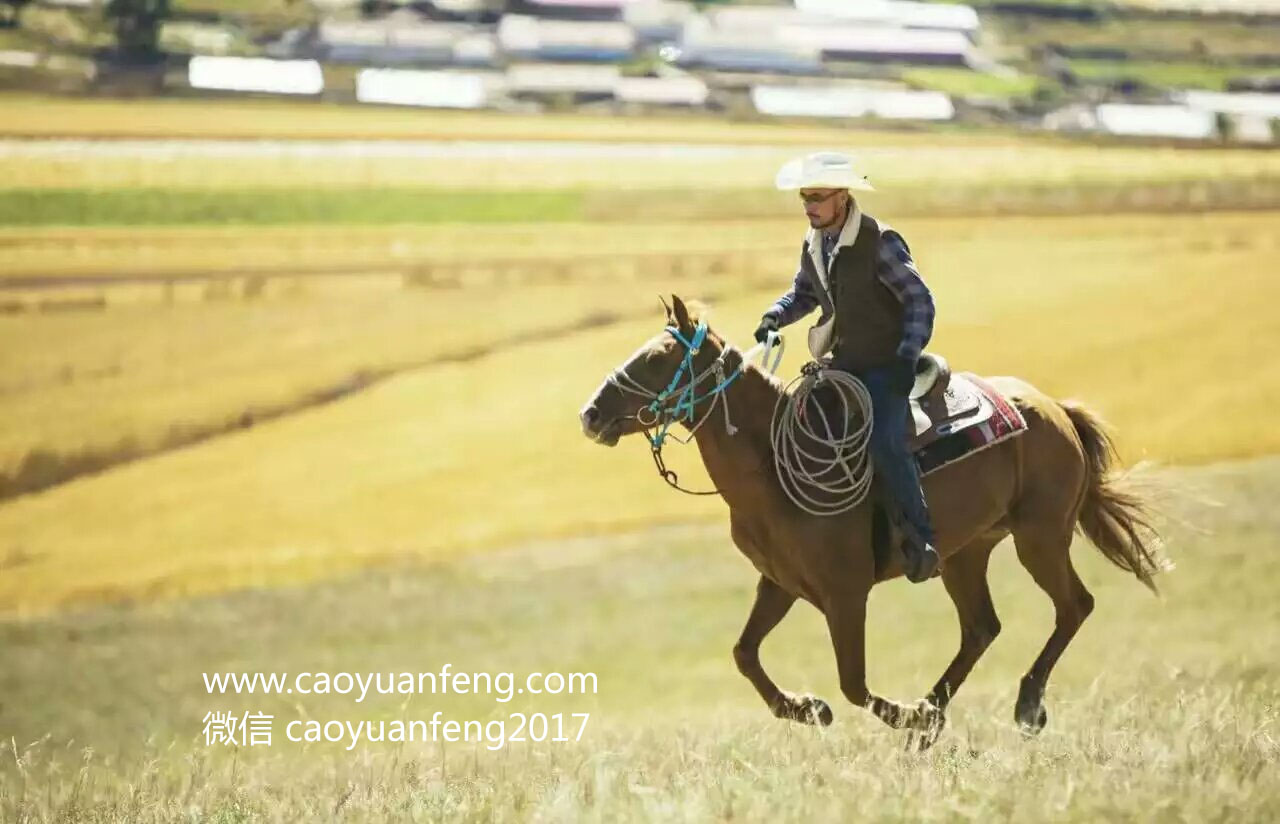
<point x="688" y="398"/>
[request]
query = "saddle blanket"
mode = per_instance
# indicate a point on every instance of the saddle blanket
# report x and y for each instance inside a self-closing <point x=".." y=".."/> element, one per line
<point x="1004" y="422"/>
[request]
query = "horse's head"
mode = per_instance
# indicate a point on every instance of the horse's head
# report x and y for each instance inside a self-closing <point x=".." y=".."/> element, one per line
<point x="638" y="394"/>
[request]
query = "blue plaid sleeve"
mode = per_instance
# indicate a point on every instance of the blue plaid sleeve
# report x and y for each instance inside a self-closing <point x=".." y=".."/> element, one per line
<point x="799" y="301"/>
<point x="898" y="271"/>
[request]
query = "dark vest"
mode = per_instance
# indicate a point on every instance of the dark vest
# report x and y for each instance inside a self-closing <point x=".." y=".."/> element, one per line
<point x="869" y="317"/>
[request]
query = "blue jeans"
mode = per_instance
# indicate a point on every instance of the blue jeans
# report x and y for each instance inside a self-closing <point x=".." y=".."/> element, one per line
<point x="893" y="459"/>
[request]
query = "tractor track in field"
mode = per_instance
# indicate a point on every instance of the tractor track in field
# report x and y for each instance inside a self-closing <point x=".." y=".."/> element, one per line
<point x="41" y="469"/>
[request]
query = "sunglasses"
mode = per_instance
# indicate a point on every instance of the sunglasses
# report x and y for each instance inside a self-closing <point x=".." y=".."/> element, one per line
<point x="814" y="197"/>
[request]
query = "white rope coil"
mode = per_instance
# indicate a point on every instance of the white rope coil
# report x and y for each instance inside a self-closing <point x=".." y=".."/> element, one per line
<point x="830" y="473"/>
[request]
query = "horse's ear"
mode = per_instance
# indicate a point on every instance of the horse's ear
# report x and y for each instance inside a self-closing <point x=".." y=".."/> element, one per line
<point x="681" y="313"/>
<point x="667" y="306"/>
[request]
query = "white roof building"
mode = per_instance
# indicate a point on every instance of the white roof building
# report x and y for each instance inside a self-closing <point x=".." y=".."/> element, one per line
<point x="19" y="59"/>
<point x="758" y="19"/>
<point x="533" y="37"/>
<point x="856" y="42"/>
<point x="445" y="90"/>
<point x="661" y="91"/>
<point x="916" y="15"/>
<point x="544" y="78"/>
<point x="848" y="100"/>
<point x="1260" y="104"/>
<point x="394" y="39"/>
<point x="1157" y="120"/>
<point x="255" y="74"/>
<point x="744" y="50"/>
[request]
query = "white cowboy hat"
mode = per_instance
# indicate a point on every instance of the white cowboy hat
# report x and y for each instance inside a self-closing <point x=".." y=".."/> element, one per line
<point x="821" y="170"/>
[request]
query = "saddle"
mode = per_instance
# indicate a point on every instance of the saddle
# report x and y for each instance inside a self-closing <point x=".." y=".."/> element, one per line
<point x="942" y="403"/>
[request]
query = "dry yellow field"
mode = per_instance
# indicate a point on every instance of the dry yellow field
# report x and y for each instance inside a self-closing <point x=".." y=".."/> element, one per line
<point x="1136" y="321"/>
<point x="235" y="250"/>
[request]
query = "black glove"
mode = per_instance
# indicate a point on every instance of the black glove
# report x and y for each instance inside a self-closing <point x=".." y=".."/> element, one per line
<point x="768" y="324"/>
<point x="903" y="376"/>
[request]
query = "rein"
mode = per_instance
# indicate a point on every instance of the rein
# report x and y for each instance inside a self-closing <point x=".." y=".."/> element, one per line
<point x="663" y="416"/>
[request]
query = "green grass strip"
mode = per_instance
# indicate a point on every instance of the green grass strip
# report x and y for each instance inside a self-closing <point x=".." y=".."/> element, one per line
<point x="147" y="207"/>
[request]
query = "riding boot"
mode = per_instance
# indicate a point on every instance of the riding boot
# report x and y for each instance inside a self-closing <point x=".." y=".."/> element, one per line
<point x="919" y="556"/>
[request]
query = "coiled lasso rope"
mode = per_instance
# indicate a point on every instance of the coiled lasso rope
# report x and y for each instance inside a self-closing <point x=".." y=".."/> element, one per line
<point x="830" y="473"/>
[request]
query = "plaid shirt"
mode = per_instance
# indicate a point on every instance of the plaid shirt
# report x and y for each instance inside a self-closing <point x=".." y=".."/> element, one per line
<point x="895" y="269"/>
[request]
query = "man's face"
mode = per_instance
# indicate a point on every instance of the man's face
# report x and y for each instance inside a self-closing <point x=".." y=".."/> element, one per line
<point x="823" y="206"/>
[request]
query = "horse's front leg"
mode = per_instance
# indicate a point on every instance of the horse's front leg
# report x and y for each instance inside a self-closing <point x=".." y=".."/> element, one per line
<point x="771" y="606"/>
<point x="847" y="620"/>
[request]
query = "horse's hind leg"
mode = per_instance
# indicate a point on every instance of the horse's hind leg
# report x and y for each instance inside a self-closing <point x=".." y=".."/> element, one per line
<point x="1045" y="554"/>
<point x="965" y="577"/>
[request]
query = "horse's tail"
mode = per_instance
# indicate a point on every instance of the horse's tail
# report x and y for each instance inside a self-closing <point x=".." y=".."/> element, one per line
<point x="1116" y="516"/>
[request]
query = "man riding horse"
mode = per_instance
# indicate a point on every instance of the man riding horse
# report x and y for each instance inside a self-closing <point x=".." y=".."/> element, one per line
<point x="1018" y="463"/>
<point x="877" y="316"/>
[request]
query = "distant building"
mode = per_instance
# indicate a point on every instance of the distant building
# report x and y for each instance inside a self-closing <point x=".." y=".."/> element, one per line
<point x="1157" y="120"/>
<point x="1258" y="104"/>
<point x="1252" y="128"/>
<point x="436" y="89"/>
<point x="900" y="13"/>
<point x="532" y="38"/>
<point x="880" y="44"/>
<point x="397" y="38"/>
<point x="476" y="49"/>
<point x="661" y="91"/>
<point x="577" y="82"/>
<point x="850" y="100"/>
<point x="762" y="21"/>
<point x="255" y="74"/>
<point x="704" y="46"/>
<point x="19" y="59"/>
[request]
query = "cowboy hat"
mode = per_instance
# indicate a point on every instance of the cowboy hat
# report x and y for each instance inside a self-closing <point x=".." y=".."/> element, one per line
<point x="821" y="170"/>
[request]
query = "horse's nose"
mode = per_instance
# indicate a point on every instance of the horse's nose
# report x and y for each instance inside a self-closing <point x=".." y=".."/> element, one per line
<point x="590" y="417"/>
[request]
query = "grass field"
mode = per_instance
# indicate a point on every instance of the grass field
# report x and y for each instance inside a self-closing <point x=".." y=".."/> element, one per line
<point x="683" y="169"/>
<point x="1169" y="75"/>
<point x="285" y="412"/>
<point x="1212" y="38"/>
<point x="899" y="161"/>
<point x="1162" y="709"/>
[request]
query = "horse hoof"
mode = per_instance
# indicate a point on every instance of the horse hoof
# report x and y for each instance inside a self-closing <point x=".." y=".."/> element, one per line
<point x="1030" y="723"/>
<point x="814" y="710"/>
<point x="929" y="722"/>
<point x="803" y="709"/>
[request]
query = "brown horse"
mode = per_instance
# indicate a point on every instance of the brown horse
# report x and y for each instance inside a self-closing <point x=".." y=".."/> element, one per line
<point x="1040" y="486"/>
